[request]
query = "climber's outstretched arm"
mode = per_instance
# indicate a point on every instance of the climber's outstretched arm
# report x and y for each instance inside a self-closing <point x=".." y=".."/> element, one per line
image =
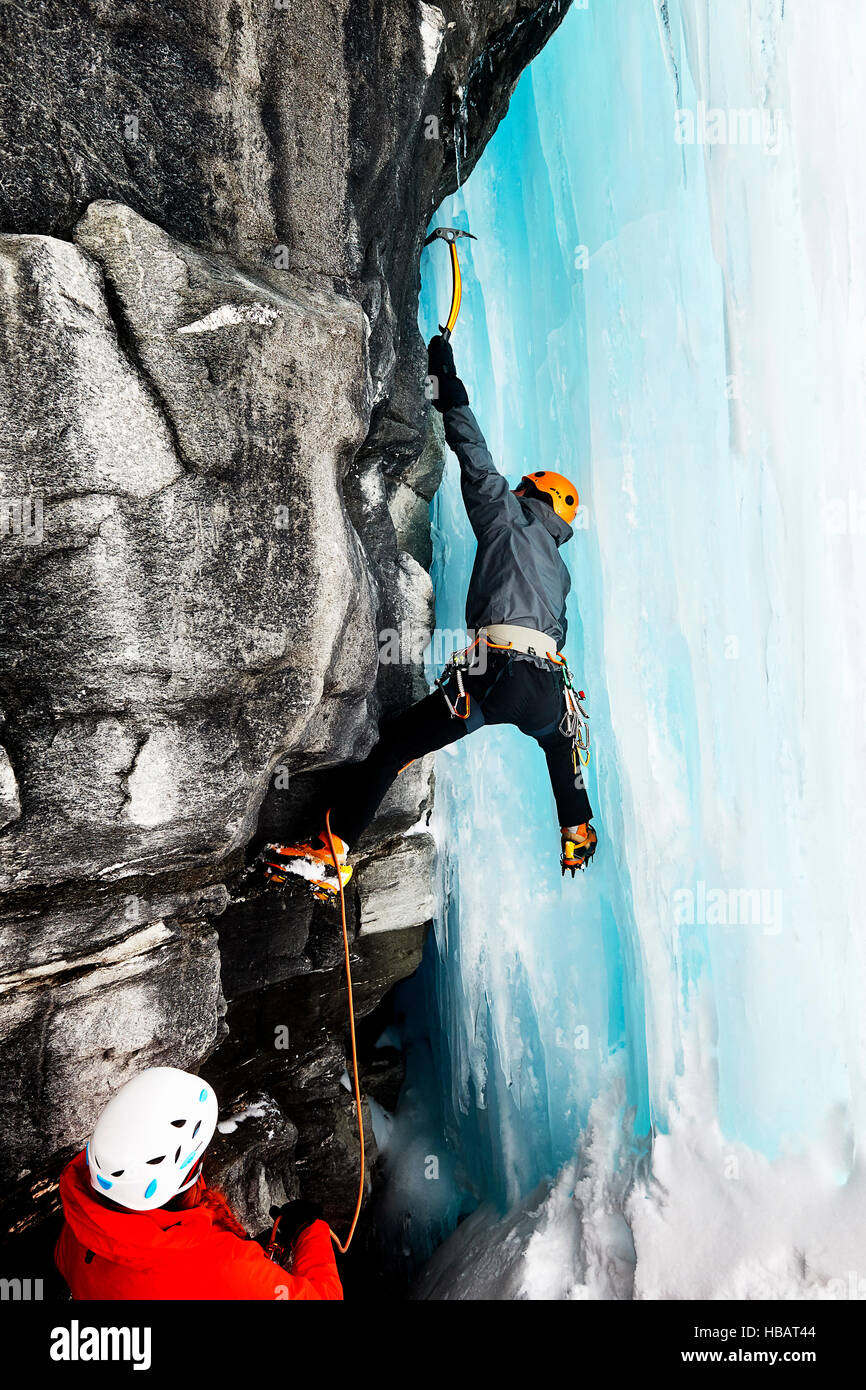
<point x="487" y="496"/>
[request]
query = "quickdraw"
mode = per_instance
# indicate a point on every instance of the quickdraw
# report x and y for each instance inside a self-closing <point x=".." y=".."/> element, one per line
<point x="454" y="670"/>
<point x="575" y="722"/>
<point x="462" y="693"/>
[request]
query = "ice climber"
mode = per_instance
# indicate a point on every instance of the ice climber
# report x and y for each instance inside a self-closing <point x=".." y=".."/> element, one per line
<point x="142" y="1223"/>
<point x="512" y="673"/>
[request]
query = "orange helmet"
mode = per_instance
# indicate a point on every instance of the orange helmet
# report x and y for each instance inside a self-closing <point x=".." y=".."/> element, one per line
<point x="561" y="492"/>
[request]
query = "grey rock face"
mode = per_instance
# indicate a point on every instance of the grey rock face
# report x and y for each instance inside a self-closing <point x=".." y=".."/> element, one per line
<point x="411" y="490"/>
<point x="253" y="1160"/>
<point x="215" y="466"/>
<point x="195" y="646"/>
<point x="243" y="126"/>
<point x="398" y="887"/>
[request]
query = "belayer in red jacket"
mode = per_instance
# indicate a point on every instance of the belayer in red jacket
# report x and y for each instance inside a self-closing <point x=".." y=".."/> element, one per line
<point x="141" y="1223"/>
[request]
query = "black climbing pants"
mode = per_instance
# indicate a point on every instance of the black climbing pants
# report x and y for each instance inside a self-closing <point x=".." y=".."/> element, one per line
<point x="509" y="691"/>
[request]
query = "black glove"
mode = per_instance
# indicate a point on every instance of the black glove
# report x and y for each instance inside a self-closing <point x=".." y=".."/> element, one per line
<point x="448" y="389"/>
<point x="295" y="1217"/>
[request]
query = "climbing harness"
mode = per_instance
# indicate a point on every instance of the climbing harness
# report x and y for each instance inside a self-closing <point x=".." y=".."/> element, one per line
<point x="574" y="724"/>
<point x="510" y="638"/>
<point x="450" y="235"/>
<point x="520" y="639"/>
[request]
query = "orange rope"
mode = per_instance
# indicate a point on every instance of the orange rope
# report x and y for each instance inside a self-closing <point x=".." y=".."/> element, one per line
<point x="271" y="1249"/>
<point x="334" y="1237"/>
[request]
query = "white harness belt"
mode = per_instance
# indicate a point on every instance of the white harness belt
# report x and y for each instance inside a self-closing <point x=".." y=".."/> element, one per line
<point x="521" y="639"/>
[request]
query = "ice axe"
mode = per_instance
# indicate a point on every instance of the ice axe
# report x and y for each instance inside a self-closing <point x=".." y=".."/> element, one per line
<point x="450" y="234"/>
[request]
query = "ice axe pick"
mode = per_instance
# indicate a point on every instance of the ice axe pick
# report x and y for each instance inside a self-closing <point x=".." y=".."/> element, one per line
<point x="450" y="234"/>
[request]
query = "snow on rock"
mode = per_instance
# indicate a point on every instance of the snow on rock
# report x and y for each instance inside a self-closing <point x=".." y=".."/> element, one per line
<point x="567" y="1240"/>
<point x="721" y="1221"/>
<point x="237" y="1117"/>
<point x="10" y="797"/>
<point x="228" y="315"/>
<point x="432" y="33"/>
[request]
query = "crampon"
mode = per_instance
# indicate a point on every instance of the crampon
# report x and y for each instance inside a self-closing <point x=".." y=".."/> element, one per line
<point x="577" y="853"/>
<point x="315" y="863"/>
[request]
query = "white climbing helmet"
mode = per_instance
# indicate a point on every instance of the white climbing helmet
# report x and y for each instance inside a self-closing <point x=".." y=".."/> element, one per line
<point x="150" y="1138"/>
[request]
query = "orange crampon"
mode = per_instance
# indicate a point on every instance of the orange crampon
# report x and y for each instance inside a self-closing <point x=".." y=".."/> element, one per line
<point x="315" y="863"/>
<point x="578" y="847"/>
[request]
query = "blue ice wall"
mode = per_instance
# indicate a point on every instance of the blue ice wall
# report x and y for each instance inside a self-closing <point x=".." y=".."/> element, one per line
<point x="652" y="318"/>
<point x="539" y="987"/>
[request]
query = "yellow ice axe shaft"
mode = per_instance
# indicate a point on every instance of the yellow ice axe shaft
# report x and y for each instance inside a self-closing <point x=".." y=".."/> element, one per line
<point x="456" y="291"/>
<point x="450" y="234"/>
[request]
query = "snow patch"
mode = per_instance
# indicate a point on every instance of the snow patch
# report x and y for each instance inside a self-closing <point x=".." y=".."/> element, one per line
<point x="10" y="799"/>
<point x="229" y="315"/>
<point x="306" y="868"/>
<point x="714" y="1221"/>
<point x="432" y="33"/>
<point x="256" y="1111"/>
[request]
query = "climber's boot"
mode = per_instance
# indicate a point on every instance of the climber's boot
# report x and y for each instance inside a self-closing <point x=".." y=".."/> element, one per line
<point x="578" y="846"/>
<point x="314" y="862"/>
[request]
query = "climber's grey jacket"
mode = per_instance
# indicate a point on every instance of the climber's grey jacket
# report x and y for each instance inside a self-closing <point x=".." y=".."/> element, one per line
<point x="519" y="575"/>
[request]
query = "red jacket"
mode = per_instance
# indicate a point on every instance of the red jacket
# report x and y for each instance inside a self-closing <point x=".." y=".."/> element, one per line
<point x="201" y="1252"/>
